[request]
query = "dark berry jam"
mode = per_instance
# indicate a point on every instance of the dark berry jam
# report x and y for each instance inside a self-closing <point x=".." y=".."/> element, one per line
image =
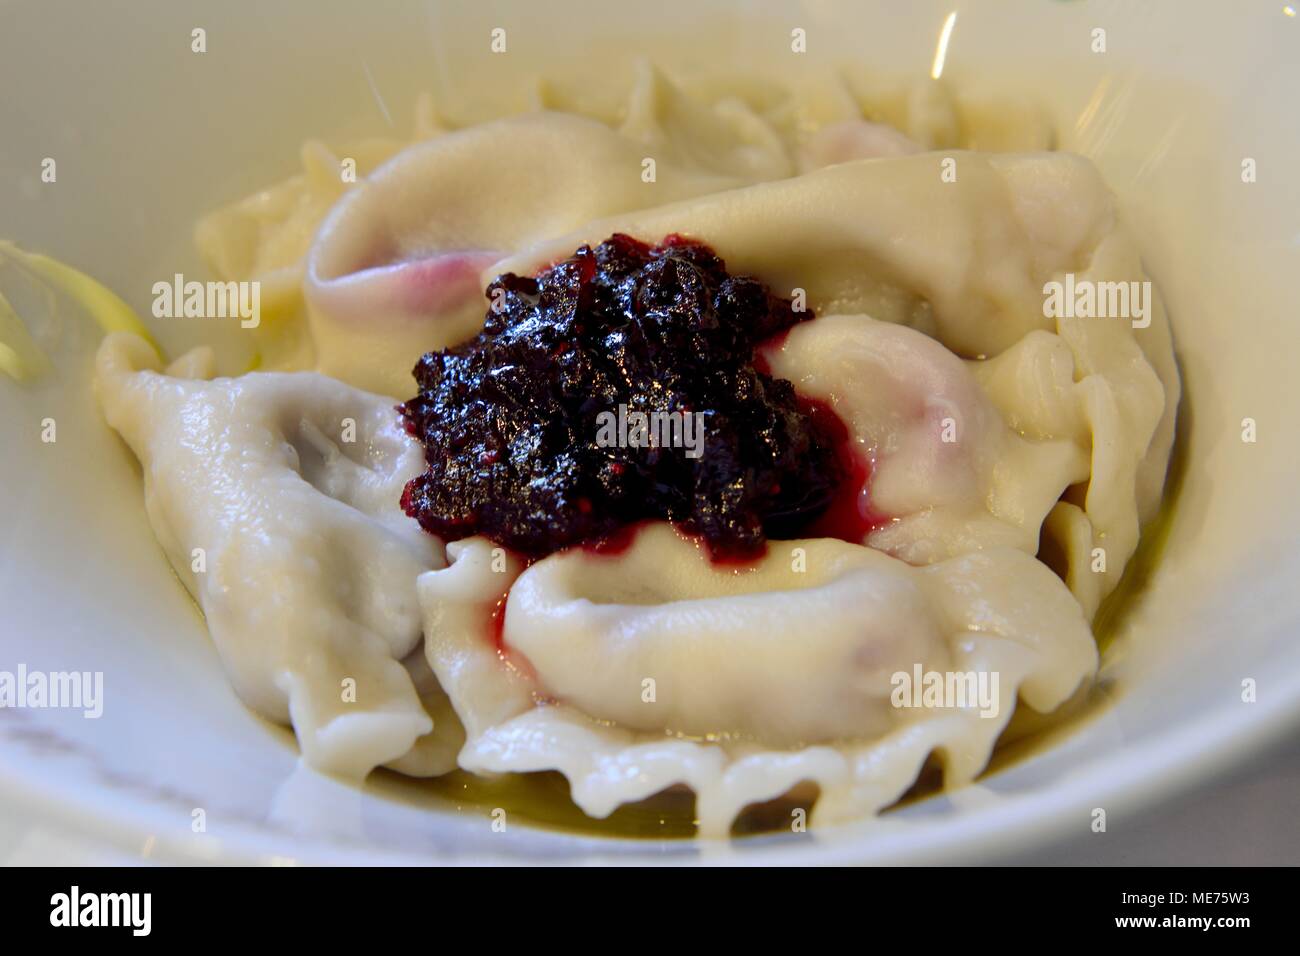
<point x="532" y="433"/>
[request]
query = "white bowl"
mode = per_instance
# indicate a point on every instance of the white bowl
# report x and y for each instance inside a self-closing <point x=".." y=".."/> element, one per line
<point x="148" y="135"/>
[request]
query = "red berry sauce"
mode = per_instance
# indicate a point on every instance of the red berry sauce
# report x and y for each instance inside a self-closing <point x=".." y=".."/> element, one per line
<point x="510" y="420"/>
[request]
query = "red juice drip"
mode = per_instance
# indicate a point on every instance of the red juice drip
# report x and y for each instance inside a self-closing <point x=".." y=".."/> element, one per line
<point x="773" y="344"/>
<point x="496" y="634"/>
<point x="735" y="560"/>
<point x="621" y="541"/>
<point x="844" y="517"/>
<point x="497" y="626"/>
<point x="616" y="543"/>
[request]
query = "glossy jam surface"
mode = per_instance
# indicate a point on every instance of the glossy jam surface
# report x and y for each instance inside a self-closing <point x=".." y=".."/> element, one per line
<point x="618" y="386"/>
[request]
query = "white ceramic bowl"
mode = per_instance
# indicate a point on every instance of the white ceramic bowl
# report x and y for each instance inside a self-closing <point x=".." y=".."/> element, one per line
<point x="148" y="135"/>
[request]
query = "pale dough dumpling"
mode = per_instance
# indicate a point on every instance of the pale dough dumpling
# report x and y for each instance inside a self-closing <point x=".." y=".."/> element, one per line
<point x="853" y="139"/>
<point x="724" y="136"/>
<point x="733" y="658"/>
<point x="947" y="474"/>
<point x="396" y="268"/>
<point x="275" y="497"/>
<point x="964" y="260"/>
<point x="1112" y="389"/>
<point x="595" y="630"/>
<point x="993" y="433"/>
<point x="967" y="259"/>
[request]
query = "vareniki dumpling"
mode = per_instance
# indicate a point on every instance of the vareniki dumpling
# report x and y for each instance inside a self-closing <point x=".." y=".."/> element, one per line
<point x="633" y="673"/>
<point x="988" y="432"/>
<point x="275" y="497"/>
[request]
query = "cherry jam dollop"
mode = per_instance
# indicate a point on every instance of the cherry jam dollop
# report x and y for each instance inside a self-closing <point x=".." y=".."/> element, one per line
<point x="531" y="432"/>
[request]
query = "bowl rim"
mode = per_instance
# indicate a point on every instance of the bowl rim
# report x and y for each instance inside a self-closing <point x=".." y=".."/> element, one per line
<point x="1160" y="766"/>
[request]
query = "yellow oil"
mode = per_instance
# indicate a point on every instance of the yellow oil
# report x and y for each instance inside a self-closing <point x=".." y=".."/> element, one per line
<point x="542" y="800"/>
<point x="1137" y="575"/>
